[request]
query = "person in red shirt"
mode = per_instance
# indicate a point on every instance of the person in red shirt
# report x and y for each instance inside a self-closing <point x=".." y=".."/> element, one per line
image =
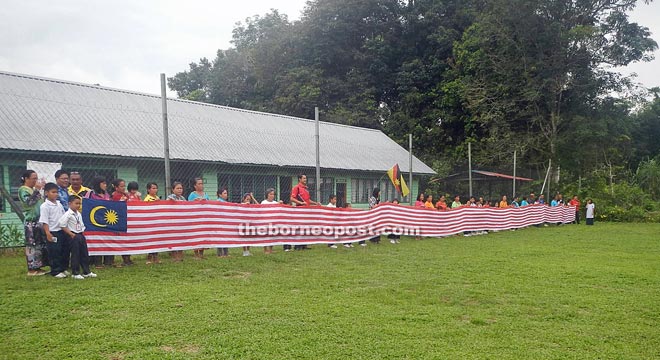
<point x="300" y="197"/>
<point x="300" y="194"/>
<point x="575" y="203"/>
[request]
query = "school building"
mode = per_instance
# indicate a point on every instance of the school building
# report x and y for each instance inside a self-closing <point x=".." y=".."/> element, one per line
<point x="119" y="134"/>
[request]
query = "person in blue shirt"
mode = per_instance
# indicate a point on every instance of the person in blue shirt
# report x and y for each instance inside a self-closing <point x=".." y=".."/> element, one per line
<point x="62" y="180"/>
<point x="556" y="201"/>
<point x="515" y="203"/>
<point x="198" y="195"/>
<point x="541" y="200"/>
<point x="524" y="201"/>
<point x="223" y="195"/>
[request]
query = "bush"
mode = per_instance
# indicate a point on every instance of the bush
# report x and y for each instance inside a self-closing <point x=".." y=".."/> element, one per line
<point x="11" y="235"/>
<point x="630" y="203"/>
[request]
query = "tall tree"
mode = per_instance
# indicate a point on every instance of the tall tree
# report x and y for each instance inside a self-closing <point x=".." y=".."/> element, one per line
<point x="526" y="69"/>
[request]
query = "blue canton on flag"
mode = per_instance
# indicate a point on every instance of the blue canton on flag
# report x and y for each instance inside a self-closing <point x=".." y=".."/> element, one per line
<point x="102" y="215"/>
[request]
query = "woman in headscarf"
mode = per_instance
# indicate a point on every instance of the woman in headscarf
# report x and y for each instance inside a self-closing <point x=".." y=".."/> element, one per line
<point x="35" y="247"/>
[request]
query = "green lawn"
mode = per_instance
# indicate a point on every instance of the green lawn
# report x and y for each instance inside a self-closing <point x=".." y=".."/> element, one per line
<point x="556" y="292"/>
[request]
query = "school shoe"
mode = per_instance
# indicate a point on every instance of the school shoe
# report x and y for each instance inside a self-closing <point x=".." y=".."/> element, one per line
<point x="246" y="253"/>
<point x="392" y="241"/>
<point x="347" y="246"/>
<point x="333" y="246"/>
<point x="363" y="245"/>
<point x="67" y="273"/>
<point x="60" y="275"/>
<point x="90" y="275"/>
<point x="78" y="277"/>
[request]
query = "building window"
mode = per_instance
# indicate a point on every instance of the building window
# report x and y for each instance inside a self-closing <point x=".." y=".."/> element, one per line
<point x="361" y="190"/>
<point x="237" y="185"/>
<point x="327" y="188"/>
<point x="15" y="173"/>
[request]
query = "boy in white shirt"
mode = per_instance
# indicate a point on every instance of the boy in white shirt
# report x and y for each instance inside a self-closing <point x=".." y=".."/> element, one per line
<point x="50" y="213"/>
<point x="590" y="212"/>
<point x="72" y="225"/>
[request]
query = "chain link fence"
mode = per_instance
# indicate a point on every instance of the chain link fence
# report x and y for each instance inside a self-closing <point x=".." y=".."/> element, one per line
<point x="351" y="188"/>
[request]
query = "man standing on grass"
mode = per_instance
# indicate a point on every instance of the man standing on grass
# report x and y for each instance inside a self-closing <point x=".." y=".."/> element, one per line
<point x="575" y="203"/>
<point x="76" y="187"/>
<point x="300" y="197"/>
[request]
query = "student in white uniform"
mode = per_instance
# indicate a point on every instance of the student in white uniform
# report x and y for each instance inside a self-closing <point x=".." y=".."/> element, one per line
<point x="590" y="212"/>
<point x="72" y="226"/>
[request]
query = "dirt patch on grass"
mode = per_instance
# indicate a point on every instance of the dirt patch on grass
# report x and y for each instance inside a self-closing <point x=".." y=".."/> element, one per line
<point x="117" y="356"/>
<point x="236" y="275"/>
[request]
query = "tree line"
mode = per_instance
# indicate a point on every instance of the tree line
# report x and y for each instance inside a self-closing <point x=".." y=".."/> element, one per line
<point x="535" y="76"/>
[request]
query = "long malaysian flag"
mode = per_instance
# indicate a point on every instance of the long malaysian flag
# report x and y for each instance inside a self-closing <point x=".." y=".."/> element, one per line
<point x="167" y="226"/>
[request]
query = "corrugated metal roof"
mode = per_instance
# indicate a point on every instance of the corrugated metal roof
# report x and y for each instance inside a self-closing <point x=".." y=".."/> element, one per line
<point x="125" y="123"/>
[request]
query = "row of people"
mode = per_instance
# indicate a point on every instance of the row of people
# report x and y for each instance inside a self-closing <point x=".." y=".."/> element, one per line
<point x="50" y="242"/>
<point x="43" y="219"/>
<point x="426" y="201"/>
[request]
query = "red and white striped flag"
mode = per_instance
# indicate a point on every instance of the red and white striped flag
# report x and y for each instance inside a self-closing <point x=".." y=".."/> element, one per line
<point x="167" y="226"/>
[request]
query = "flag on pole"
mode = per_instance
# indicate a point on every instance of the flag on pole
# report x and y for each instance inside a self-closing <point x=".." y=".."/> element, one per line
<point x="397" y="179"/>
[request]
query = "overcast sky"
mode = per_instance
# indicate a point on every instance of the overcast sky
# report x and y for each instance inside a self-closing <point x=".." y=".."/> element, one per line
<point x="127" y="44"/>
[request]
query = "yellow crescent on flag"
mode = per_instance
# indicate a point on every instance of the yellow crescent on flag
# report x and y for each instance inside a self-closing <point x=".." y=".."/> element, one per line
<point x="91" y="216"/>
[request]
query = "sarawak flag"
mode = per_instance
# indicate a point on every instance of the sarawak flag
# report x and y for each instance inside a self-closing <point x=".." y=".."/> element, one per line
<point x="397" y="179"/>
<point x="101" y="215"/>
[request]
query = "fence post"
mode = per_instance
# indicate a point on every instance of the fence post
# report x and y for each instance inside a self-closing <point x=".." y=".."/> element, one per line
<point x="318" y="155"/>
<point x="410" y="168"/>
<point x="470" y="166"/>
<point x="513" y="195"/>
<point x="166" y="136"/>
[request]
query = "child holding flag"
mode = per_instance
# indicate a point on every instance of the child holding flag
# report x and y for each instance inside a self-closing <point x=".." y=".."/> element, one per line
<point x="72" y="225"/>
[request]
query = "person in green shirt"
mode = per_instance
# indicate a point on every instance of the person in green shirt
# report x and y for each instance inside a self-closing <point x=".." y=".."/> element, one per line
<point x="35" y="247"/>
<point x="457" y="202"/>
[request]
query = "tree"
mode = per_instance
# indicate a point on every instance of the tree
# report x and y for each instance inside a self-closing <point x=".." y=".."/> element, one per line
<point x="528" y="69"/>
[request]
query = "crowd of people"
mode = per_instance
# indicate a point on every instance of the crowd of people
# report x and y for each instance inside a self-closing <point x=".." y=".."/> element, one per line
<point x="426" y="201"/>
<point x="54" y="228"/>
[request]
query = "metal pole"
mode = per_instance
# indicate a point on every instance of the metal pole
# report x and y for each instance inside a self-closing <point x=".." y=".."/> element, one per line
<point x="513" y="195"/>
<point x="547" y="174"/>
<point x="166" y="136"/>
<point x="318" y="156"/>
<point x="547" y="199"/>
<point x="410" y="170"/>
<point x="470" y="166"/>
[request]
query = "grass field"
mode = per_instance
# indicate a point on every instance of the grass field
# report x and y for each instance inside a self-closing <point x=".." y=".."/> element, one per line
<point x="557" y="292"/>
